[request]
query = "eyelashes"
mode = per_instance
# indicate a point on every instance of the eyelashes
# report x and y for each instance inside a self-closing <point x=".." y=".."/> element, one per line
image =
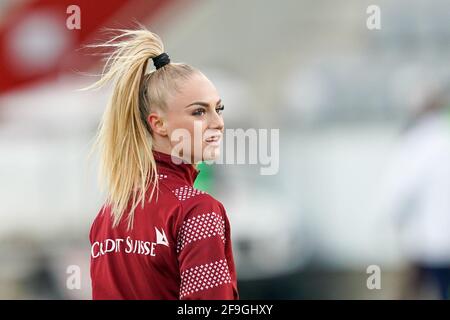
<point x="220" y="109"/>
<point x="202" y="111"/>
<point x="199" y="112"/>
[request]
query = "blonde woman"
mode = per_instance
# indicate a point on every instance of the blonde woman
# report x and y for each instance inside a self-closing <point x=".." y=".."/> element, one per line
<point x="156" y="237"/>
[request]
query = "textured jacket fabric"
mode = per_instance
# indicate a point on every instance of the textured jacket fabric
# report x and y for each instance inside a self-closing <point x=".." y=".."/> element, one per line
<point x="179" y="246"/>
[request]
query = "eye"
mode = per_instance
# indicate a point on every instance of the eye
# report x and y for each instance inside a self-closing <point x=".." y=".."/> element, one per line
<point x="220" y="109"/>
<point x="199" y="112"/>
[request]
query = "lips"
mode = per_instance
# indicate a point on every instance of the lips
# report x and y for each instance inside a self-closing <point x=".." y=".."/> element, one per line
<point x="214" y="140"/>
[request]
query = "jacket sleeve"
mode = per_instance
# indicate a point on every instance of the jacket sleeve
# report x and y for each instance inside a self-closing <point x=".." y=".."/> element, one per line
<point x="204" y="254"/>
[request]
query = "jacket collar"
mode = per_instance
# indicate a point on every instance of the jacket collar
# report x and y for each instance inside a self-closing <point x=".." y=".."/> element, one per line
<point x="184" y="170"/>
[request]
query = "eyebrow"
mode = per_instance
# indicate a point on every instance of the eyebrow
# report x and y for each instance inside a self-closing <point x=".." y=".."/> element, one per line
<point x="204" y="104"/>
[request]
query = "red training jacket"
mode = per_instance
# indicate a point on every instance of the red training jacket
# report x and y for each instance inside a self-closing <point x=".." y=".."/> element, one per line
<point x="179" y="246"/>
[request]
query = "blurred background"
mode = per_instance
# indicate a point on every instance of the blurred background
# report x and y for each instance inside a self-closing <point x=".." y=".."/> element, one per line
<point x="364" y="149"/>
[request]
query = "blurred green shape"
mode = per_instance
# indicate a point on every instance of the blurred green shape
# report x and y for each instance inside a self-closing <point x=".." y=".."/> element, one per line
<point x="205" y="179"/>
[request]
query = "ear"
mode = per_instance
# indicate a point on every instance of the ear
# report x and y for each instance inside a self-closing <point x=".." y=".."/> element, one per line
<point x="157" y="124"/>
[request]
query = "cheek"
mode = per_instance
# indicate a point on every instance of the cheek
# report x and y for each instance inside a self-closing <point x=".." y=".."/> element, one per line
<point x="186" y="125"/>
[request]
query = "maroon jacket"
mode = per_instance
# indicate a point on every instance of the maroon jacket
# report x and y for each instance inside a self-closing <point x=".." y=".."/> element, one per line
<point x="179" y="247"/>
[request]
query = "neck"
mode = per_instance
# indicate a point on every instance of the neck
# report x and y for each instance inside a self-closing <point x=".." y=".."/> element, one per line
<point x="166" y="148"/>
<point x="162" y="146"/>
<point x="166" y="163"/>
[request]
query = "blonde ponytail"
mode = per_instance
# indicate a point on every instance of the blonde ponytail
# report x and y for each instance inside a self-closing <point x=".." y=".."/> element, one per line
<point x="127" y="165"/>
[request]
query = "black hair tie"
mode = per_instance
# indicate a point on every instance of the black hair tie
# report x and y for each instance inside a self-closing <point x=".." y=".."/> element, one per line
<point x="161" y="60"/>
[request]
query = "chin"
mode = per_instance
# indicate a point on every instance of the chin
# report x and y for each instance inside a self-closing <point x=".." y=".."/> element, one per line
<point x="211" y="153"/>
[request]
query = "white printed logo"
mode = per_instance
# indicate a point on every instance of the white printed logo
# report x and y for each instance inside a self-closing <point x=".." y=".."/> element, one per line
<point x="161" y="237"/>
<point x="129" y="245"/>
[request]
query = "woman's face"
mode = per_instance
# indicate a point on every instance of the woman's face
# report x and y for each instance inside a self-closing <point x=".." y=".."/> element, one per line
<point x="193" y="123"/>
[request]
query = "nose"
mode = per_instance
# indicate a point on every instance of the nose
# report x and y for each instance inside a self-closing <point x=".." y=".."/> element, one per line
<point x="216" y="122"/>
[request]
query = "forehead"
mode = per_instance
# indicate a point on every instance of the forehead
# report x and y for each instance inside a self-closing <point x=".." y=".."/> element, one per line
<point x="197" y="88"/>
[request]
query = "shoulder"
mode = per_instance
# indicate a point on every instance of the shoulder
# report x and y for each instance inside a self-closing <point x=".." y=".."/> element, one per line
<point x="203" y="217"/>
<point x="191" y="199"/>
<point x="197" y="204"/>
